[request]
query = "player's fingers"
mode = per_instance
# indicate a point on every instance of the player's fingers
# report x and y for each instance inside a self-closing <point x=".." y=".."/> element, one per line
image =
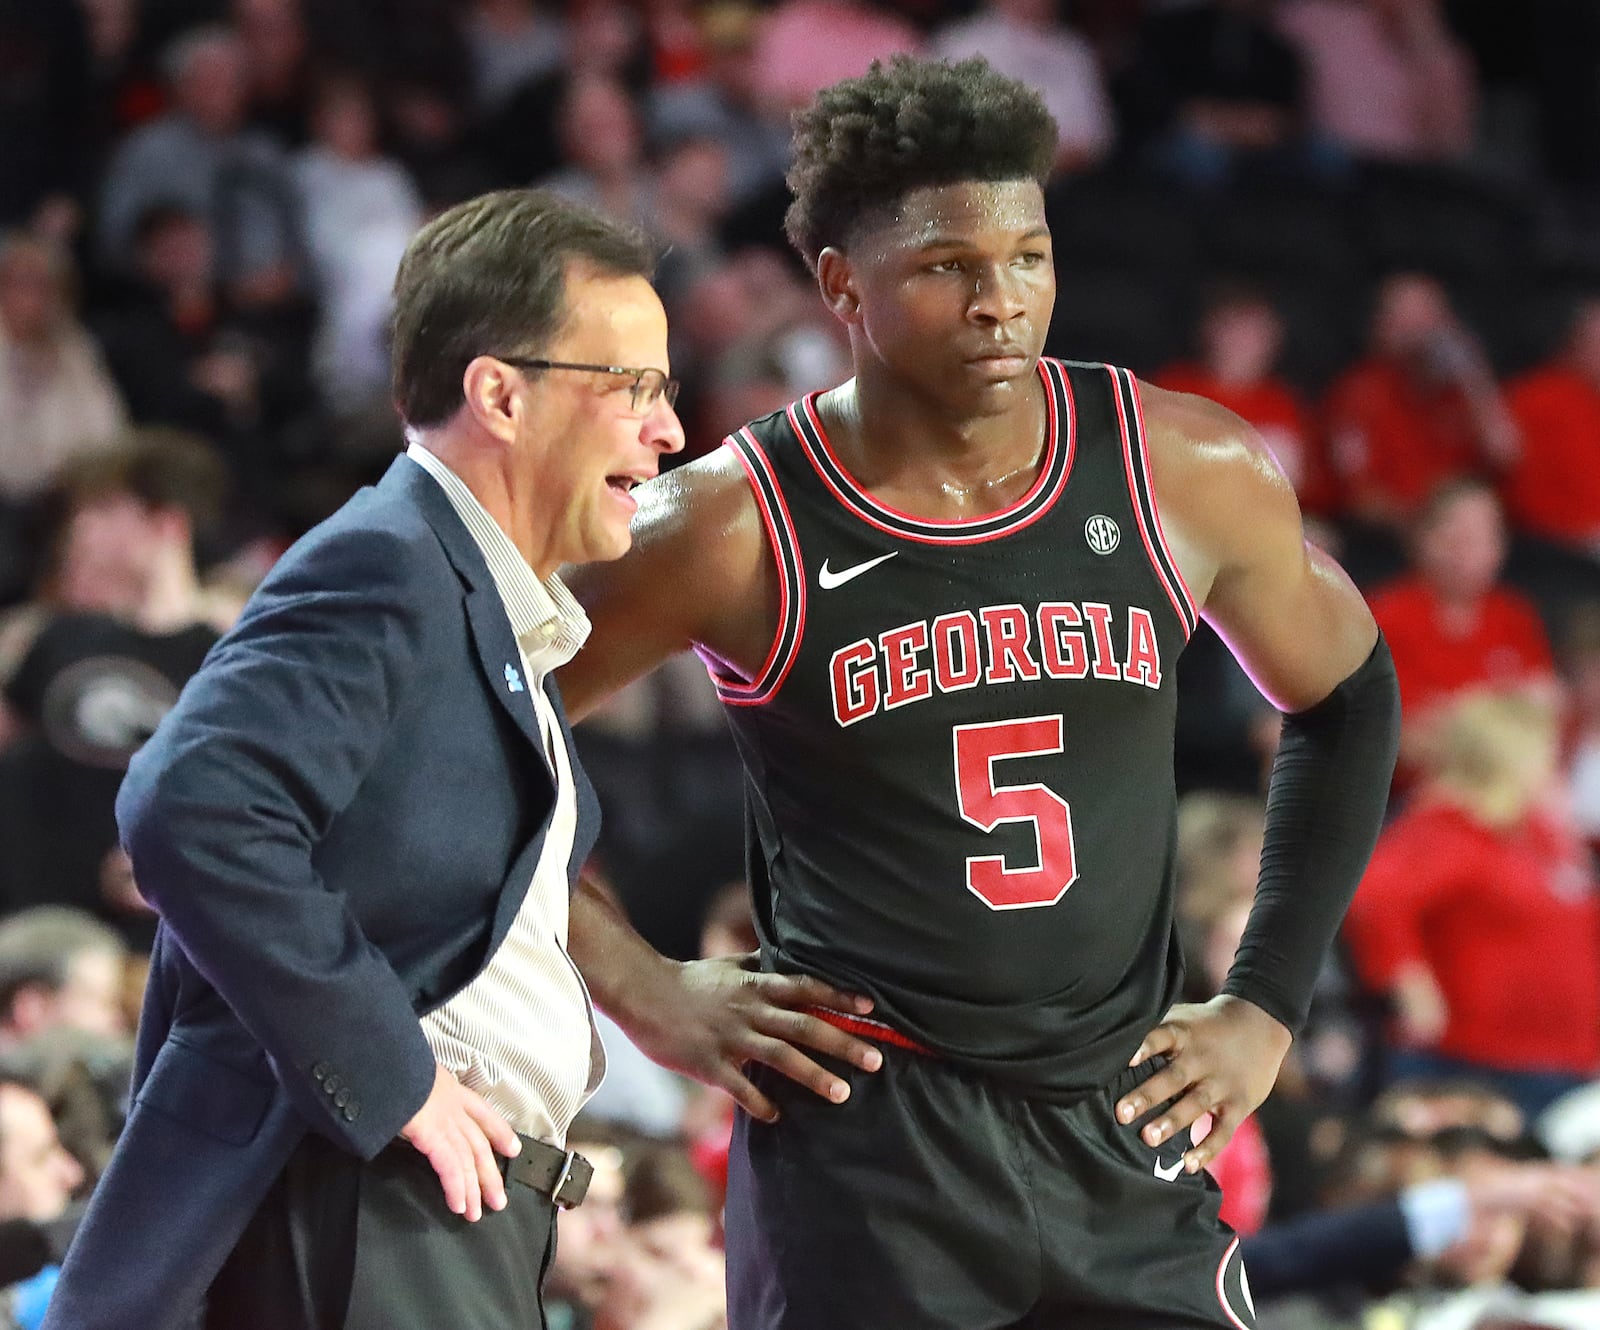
<point x="1174" y="1119"/>
<point x="1162" y="1039"/>
<point x="797" y="1027"/>
<point x="1168" y="1083"/>
<point x="745" y="1094"/>
<point x="789" y="1061"/>
<point x="1212" y="1141"/>
<point x="804" y="990"/>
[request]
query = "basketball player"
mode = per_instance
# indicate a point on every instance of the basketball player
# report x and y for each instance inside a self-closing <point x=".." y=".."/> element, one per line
<point x="943" y="603"/>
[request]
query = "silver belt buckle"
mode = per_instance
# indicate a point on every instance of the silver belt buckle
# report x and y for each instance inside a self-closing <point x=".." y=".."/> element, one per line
<point x="558" y="1187"/>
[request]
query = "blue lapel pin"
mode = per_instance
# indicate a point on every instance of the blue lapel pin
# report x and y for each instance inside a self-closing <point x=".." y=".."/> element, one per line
<point x="513" y="679"/>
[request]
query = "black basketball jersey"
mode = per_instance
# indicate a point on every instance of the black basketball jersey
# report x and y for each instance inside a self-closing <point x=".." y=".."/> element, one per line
<point x="959" y="751"/>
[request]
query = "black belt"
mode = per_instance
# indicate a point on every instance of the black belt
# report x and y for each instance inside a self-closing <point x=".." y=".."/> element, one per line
<point x="562" y="1175"/>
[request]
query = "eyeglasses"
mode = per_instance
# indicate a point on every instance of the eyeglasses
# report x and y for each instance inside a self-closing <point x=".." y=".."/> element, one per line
<point x="649" y="385"/>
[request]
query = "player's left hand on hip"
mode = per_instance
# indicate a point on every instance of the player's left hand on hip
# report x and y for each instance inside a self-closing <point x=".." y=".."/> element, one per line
<point x="1222" y="1059"/>
<point x="715" y="1017"/>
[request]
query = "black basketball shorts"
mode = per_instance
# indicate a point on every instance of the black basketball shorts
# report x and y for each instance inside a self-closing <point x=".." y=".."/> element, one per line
<point x="938" y="1199"/>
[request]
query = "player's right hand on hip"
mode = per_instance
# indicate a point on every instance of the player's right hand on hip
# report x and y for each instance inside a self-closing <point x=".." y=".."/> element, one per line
<point x="458" y="1133"/>
<point x="712" y="1018"/>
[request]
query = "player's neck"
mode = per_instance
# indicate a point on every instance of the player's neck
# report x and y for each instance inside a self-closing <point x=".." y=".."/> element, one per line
<point x="895" y="441"/>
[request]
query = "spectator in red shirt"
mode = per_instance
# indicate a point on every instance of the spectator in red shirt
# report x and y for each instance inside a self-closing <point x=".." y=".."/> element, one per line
<point x="1451" y="625"/>
<point x="1421" y="408"/>
<point x="1240" y="338"/>
<point x="1553" y="488"/>
<point x="1479" y="916"/>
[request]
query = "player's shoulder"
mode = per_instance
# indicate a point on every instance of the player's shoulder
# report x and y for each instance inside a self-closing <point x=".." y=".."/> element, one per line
<point x="710" y="490"/>
<point x="1225" y="503"/>
<point x="698" y="519"/>
<point x="1202" y="450"/>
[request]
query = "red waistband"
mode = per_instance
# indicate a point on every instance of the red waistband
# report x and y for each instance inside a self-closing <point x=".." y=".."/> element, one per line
<point x="868" y="1028"/>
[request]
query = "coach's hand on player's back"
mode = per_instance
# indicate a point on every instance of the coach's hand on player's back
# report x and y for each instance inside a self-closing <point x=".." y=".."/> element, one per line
<point x="1223" y="1057"/>
<point x="723" y="1013"/>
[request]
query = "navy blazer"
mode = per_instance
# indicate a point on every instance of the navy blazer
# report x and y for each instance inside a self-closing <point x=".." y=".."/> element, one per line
<point x="337" y="822"/>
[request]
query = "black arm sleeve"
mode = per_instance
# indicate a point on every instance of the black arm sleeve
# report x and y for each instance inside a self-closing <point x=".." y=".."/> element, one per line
<point x="1325" y="804"/>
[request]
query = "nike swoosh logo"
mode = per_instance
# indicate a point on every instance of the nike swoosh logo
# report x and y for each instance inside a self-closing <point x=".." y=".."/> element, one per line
<point x="1167" y="1174"/>
<point x="827" y="579"/>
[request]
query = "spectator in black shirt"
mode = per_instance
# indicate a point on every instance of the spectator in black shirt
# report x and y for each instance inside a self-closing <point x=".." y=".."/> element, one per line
<point x="93" y="684"/>
<point x="185" y="356"/>
<point x="1215" y="91"/>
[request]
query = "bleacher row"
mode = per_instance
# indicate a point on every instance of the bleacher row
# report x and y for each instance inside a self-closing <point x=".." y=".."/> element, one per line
<point x="1135" y="258"/>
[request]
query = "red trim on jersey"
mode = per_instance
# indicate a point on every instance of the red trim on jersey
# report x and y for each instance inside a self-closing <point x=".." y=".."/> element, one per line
<point x="791" y="588"/>
<point x="1138" y="507"/>
<point x="927" y="532"/>
<point x="868" y="1029"/>
<point x="1222" y="1296"/>
<point x="1155" y="504"/>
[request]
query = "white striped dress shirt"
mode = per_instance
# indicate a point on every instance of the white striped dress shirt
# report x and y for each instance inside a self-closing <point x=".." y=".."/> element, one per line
<point x="522" y="1033"/>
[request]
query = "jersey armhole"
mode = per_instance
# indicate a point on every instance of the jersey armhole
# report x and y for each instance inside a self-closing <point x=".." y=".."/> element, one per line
<point x="1130" y="419"/>
<point x="733" y="691"/>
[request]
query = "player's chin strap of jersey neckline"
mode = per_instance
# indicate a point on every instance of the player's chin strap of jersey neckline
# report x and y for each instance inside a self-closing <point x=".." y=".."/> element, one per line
<point x="867" y="1028"/>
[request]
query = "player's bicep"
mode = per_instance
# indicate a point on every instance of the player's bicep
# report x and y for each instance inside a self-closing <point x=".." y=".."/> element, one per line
<point x="1289" y="613"/>
<point x="696" y="553"/>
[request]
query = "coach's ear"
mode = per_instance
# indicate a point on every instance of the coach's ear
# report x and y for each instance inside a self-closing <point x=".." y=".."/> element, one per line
<point x="490" y="388"/>
<point x="836" y="279"/>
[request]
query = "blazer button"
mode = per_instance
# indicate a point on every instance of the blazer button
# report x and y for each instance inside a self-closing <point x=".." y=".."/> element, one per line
<point x="319" y="1070"/>
<point x="342" y="1098"/>
<point x="352" y="1111"/>
<point x="332" y="1084"/>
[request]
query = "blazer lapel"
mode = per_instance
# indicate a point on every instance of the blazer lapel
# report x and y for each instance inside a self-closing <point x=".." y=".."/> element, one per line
<point x="497" y="650"/>
<point x="587" y="829"/>
<point x="502" y="660"/>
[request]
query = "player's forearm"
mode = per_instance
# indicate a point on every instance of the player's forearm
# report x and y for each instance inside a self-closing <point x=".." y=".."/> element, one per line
<point x="1325" y="805"/>
<point x="621" y="969"/>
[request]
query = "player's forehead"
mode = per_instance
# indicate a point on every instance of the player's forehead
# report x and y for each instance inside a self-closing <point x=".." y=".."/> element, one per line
<point x="976" y="212"/>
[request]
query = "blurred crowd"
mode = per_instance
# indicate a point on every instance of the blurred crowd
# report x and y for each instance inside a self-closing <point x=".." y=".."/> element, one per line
<point x="1370" y="227"/>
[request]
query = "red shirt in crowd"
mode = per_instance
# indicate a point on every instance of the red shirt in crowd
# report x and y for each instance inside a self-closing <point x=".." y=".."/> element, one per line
<point x="1279" y="416"/>
<point x="1244" y="1172"/>
<point x="1554" y="488"/>
<point x="1506" y="645"/>
<point x="1394" y="441"/>
<point x="1508" y="923"/>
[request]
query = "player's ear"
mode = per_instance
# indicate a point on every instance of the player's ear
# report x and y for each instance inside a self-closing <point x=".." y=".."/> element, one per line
<point x="836" y="280"/>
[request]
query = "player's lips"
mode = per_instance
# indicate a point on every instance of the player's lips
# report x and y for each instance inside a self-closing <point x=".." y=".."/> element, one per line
<point x="999" y="351"/>
<point x="1002" y="361"/>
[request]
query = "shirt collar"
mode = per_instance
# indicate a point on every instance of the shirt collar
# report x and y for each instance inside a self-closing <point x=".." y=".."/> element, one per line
<point x="547" y="621"/>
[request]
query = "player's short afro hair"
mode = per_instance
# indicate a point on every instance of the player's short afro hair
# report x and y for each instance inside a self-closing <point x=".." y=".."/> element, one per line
<point x="863" y="144"/>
